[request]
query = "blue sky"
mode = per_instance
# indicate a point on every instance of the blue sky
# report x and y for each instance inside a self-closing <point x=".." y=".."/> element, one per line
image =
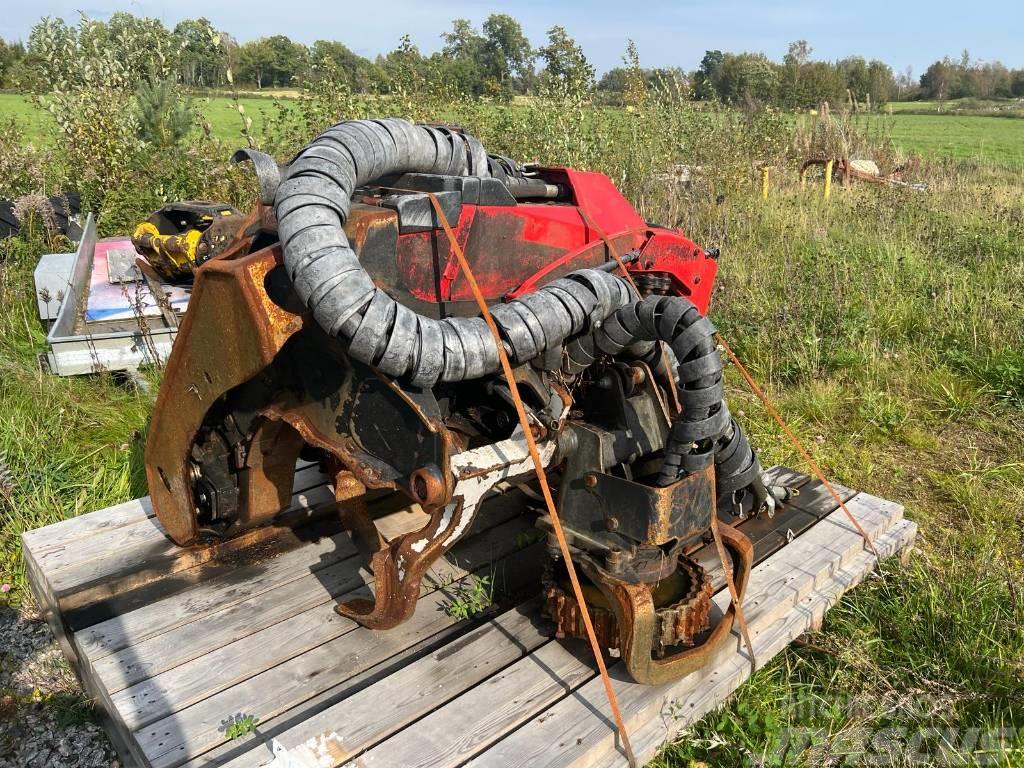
<point x="667" y="33"/>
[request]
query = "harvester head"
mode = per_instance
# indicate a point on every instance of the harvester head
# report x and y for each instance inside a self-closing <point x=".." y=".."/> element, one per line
<point x="338" y="325"/>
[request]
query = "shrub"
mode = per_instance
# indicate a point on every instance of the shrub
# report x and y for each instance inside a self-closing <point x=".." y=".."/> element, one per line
<point x="24" y="168"/>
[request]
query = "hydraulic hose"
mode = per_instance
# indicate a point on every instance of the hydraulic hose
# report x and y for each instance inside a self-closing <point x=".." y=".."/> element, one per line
<point x="704" y="431"/>
<point x="312" y="203"/>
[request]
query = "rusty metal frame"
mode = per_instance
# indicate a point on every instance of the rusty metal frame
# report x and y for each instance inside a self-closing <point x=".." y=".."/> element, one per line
<point x="234" y="318"/>
<point x="633" y="606"/>
<point x="232" y="332"/>
<point x="400" y="566"/>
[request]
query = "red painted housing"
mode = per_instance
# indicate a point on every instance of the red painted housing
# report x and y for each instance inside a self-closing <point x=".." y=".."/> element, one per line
<point x="515" y="249"/>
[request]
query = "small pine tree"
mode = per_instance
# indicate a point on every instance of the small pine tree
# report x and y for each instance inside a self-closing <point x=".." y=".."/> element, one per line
<point x="164" y="119"/>
<point x="635" y="92"/>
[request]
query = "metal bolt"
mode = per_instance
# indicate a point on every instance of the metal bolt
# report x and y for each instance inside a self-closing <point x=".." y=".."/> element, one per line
<point x="590" y="480"/>
<point x="614" y="559"/>
<point x="612" y="523"/>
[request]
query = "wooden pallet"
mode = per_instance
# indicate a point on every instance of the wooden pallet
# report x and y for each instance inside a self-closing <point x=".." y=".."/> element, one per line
<point x="173" y="643"/>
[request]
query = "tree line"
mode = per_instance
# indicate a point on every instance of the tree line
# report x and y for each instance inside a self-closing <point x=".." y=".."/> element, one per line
<point x="496" y="60"/>
<point x="964" y="78"/>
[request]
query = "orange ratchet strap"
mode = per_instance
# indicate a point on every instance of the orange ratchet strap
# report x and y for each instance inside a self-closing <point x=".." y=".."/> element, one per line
<point x="542" y="480"/>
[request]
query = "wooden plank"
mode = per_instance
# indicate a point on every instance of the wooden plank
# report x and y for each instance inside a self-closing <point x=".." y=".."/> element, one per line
<point x="219" y="668"/>
<point x="244" y="582"/>
<point x="440" y="739"/>
<point x="401" y="522"/>
<point x="101" y="522"/>
<point x="250" y="629"/>
<point x="189" y="733"/>
<point x="762" y="616"/>
<point x="497" y="509"/>
<point x="197" y="633"/>
<point x="813" y="558"/>
<point x="296" y="600"/>
<point x="432" y="740"/>
<point x="125" y="569"/>
<point x="652" y="730"/>
<point x="84" y="559"/>
<point x="216" y="594"/>
<point x="261" y="745"/>
<point x="122" y="739"/>
<point x="241" y="558"/>
<point x="359" y="721"/>
<point x="48" y="607"/>
<point x="338" y="712"/>
<point x="167" y="569"/>
<point x="579" y="725"/>
<point x="495" y="707"/>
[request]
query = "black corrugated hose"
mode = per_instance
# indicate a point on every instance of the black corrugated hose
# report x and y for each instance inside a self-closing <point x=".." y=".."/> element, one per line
<point x="598" y="312"/>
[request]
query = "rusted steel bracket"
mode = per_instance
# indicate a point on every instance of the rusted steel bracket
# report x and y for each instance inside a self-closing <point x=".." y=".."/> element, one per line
<point x="252" y="380"/>
<point x="366" y="352"/>
<point x="633" y="606"/>
<point x="399" y="567"/>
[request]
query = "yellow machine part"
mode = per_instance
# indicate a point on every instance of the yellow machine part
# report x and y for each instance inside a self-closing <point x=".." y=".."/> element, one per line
<point x="172" y="256"/>
<point x="180" y="236"/>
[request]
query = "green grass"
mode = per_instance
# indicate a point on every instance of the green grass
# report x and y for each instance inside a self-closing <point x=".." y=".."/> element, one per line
<point x="225" y="122"/>
<point x="886" y="325"/>
<point x="1001" y="107"/>
<point x="71" y="444"/>
<point x="959" y="137"/>
<point x="218" y="111"/>
<point x="36" y="123"/>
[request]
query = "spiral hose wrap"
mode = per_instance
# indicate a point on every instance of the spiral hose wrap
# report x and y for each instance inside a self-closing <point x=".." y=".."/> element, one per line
<point x="312" y="204"/>
<point x="704" y="431"/>
<point x="598" y="311"/>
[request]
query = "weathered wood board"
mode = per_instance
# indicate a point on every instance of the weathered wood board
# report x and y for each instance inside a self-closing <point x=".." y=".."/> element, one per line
<point x="175" y="643"/>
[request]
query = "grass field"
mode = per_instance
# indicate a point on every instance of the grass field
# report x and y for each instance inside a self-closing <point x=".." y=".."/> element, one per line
<point x="887" y="326"/>
<point x="218" y="111"/>
<point x="1013" y="108"/>
<point x="30" y="118"/>
<point x="960" y="137"/>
